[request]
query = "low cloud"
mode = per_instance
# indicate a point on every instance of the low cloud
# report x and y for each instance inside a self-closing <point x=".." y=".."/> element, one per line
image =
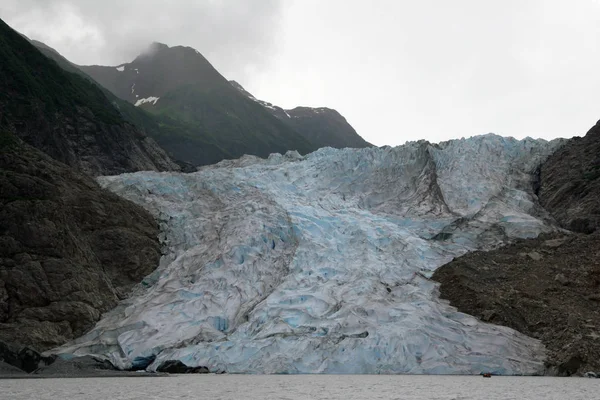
<point x="238" y="36"/>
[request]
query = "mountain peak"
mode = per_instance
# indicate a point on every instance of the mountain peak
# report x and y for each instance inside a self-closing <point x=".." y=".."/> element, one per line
<point x="160" y="49"/>
<point x="158" y="46"/>
<point x="158" y="70"/>
<point x="153" y="50"/>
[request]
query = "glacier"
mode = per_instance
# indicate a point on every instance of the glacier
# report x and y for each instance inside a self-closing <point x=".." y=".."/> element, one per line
<point x="321" y="263"/>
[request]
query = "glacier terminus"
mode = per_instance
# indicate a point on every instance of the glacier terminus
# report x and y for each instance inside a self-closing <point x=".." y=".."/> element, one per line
<point x="321" y="263"/>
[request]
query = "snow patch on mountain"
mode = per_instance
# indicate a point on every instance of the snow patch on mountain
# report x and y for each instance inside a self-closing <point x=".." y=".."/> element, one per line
<point x="320" y="264"/>
<point x="150" y="99"/>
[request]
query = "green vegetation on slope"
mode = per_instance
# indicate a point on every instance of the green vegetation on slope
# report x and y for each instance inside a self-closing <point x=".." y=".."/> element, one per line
<point x="67" y="115"/>
<point x="232" y="123"/>
<point x="30" y="85"/>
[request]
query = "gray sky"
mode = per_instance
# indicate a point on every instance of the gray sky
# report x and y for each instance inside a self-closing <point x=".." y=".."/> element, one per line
<point x="397" y="70"/>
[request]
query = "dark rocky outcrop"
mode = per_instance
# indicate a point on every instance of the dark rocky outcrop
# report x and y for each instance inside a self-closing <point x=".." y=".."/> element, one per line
<point x="177" y="367"/>
<point x="23" y="358"/>
<point x="547" y="288"/>
<point x="68" y="249"/>
<point x="86" y="365"/>
<point x="570" y="183"/>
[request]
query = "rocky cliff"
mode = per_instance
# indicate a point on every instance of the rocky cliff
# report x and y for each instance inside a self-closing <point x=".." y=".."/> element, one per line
<point x="69" y="250"/>
<point x="570" y="183"/>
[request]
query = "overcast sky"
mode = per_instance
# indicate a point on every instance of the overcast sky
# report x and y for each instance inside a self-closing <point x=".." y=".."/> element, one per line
<point x="397" y="70"/>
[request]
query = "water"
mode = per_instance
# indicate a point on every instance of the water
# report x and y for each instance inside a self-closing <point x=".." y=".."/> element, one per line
<point x="300" y="387"/>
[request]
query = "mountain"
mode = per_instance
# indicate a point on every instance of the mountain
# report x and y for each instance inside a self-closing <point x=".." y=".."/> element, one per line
<point x="320" y="263"/>
<point x="145" y="122"/>
<point x="547" y="287"/>
<point x="69" y="250"/>
<point x="322" y="126"/>
<point x="203" y="118"/>
<point x="291" y="264"/>
<point x="67" y="116"/>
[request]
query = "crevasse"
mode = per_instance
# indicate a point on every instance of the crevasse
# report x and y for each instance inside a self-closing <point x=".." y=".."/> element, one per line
<point x="320" y="264"/>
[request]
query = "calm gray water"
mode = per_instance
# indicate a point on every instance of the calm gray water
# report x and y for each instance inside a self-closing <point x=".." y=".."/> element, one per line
<point x="300" y="387"/>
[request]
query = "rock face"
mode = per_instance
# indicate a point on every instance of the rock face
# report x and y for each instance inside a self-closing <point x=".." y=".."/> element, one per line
<point x="69" y="250"/>
<point x="320" y="264"/>
<point x="570" y="183"/>
<point x="67" y="116"/>
<point x="553" y="298"/>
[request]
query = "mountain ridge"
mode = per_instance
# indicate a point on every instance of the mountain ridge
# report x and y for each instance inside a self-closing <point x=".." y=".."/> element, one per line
<point x="180" y="85"/>
<point x="322" y="126"/>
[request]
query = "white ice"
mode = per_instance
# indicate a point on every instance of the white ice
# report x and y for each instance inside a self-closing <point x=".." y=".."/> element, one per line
<point x="121" y="68"/>
<point x="150" y="99"/>
<point x="320" y="264"/>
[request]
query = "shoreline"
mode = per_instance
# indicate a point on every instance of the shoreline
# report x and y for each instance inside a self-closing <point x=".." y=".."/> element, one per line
<point x="132" y="374"/>
<point x="115" y="374"/>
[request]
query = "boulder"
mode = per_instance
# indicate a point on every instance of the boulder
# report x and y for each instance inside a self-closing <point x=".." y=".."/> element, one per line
<point x="23" y="358"/>
<point x="562" y="279"/>
<point x="177" y="367"/>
